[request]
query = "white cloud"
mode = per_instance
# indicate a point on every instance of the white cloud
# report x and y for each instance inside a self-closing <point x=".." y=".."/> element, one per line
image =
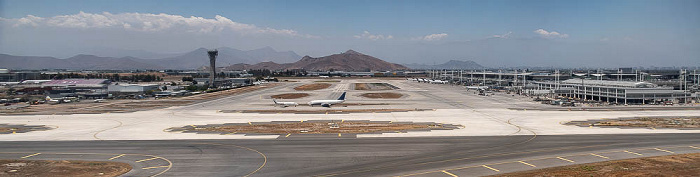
<point x="503" y="36"/>
<point x="374" y="37"/>
<point x="432" y="37"/>
<point x="147" y="22"/>
<point x="553" y="34"/>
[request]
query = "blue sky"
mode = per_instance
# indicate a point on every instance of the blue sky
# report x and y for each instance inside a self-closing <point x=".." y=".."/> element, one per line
<point x="664" y="29"/>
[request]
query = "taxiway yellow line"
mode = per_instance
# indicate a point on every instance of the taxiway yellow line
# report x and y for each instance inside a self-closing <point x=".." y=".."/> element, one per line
<point x="528" y="164"/>
<point x="146" y="168"/>
<point x="250" y="123"/>
<point x="115" y="157"/>
<point x="29" y="155"/>
<point x="287" y="135"/>
<point x="694" y="147"/>
<point x="632" y="153"/>
<point x="490" y="168"/>
<point x="561" y="158"/>
<point x="600" y="156"/>
<point x="663" y="150"/>
<point x="154" y="158"/>
<point x="339" y="135"/>
<point x="448" y="173"/>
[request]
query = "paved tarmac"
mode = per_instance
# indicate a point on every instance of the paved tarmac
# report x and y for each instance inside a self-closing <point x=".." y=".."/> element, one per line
<point x="338" y="156"/>
<point x="502" y="133"/>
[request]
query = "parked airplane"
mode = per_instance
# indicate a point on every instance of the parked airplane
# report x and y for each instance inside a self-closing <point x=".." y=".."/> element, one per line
<point x="52" y="101"/>
<point x="438" y="82"/>
<point x="285" y="104"/>
<point x="328" y="103"/>
<point x="477" y="87"/>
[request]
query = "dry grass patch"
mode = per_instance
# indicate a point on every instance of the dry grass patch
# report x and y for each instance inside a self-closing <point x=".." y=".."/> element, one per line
<point x="672" y="165"/>
<point x="373" y="86"/>
<point x="60" y="168"/>
<point x="290" y="96"/>
<point x="328" y="81"/>
<point x="315" y="86"/>
<point x="386" y="95"/>
<point x="319" y="127"/>
<point x="675" y="122"/>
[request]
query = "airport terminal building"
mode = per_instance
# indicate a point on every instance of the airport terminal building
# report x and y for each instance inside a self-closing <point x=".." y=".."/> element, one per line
<point x="622" y="92"/>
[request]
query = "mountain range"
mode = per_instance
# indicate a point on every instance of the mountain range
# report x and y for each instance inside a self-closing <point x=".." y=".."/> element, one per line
<point x="230" y="59"/>
<point x="346" y="61"/>
<point x="452" y="64"/>
<point x="190" y="60"/>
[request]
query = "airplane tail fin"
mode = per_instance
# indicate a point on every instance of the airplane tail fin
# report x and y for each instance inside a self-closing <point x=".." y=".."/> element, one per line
<point x="342" y="97"/>
<point x="273" y="100"/>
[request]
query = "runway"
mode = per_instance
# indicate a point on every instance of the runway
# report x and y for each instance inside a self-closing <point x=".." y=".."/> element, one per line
<point x="334" y="156"/>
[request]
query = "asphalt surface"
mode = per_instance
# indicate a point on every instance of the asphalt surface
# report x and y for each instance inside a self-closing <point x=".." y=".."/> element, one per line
<point x="349" y="156"/>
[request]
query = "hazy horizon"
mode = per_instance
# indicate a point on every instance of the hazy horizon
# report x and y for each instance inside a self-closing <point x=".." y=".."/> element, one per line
<point x="491" y="33"/>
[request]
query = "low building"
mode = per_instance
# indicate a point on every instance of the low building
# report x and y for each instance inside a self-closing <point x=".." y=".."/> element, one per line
<point x="87" y="88"/>
<point x="131" y="89"/>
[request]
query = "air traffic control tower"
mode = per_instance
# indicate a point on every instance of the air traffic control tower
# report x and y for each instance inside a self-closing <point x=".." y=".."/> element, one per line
<point x="212" y="66"/>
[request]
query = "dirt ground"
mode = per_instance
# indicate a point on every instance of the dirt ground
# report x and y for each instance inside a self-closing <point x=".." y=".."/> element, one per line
<point x="373" y="86"/>
<point x="114" y="106"/>
<point x="290" y="96"/>
<point x="315" y="86"/>
<point x="328" y="81"/>
<point x="6" y="130"/>
<point x="319" y="127"/>
<point x="324" y="111"/>
<point x="386" y="95"/>
<point x="670" y="122"/>
<point x="61" y="168"/>
<point x="672" y="165"/>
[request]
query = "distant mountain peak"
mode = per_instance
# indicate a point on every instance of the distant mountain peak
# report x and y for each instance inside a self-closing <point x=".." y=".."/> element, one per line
<point x="452" y="64"/>
<point x="352" y="52"/>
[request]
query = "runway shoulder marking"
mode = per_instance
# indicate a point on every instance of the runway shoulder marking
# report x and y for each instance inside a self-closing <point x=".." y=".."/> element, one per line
<point x="448" y="173"/>
<point x="115" y="157"/>
<point x="146" y="168"/>
<point x="154" y="158"/>
<point x="528" y="164"/>
<point x="490" y="168"/>
<point x="30" y="155"/>
<point x="632" y="153"/>
<point x="600" y="156"/>
<point x="663" y="150"/>
<point x="561" y="158"/>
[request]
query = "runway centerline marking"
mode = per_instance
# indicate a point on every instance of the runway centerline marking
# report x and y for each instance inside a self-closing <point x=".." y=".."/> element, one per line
<point x="154" y="158"/>
<point x="663" y="150"/>
<point x="146" y="168"/>
<point x="528" y="164"/>
<point x="632" y="153"/>
<point x="490" y="168"/>
<point x="448" y="173"/>
<point x="600" y="156"/>
<point x="28" y="156"/>
<point x="561" y="158"/>
<point x="115" y="157"/>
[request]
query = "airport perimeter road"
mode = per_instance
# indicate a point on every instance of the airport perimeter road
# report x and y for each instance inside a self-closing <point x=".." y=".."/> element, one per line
<point x="334" y="156"/>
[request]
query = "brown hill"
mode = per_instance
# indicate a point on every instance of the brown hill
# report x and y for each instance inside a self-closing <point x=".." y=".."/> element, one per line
<point x="346" y="61"/>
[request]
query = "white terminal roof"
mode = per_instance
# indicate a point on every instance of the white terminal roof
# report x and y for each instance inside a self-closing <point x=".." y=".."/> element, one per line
<point x="631" y="84"/>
